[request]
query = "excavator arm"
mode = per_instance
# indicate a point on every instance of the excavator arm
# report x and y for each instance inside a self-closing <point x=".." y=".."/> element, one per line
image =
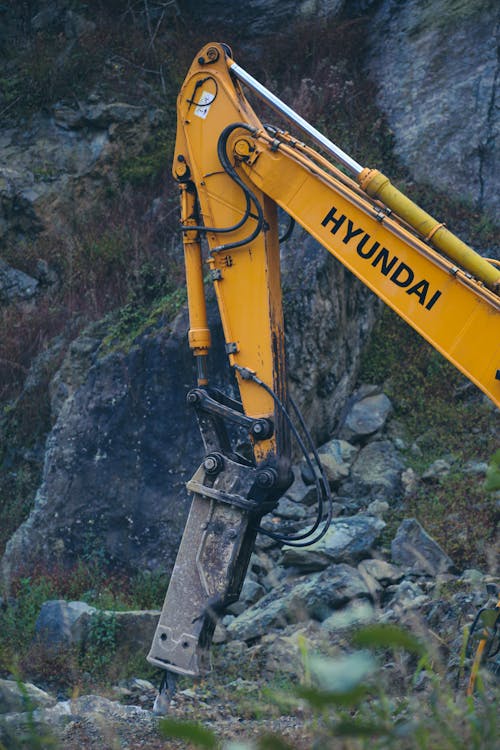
<point x="233" y="173"/>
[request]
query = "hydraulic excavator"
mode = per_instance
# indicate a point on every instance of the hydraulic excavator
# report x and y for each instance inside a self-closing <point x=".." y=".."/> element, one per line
<point x="233" y="173"/>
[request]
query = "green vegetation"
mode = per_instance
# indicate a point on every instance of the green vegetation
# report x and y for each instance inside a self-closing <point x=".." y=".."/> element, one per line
<point x="444" y="416"/>
<point x="349" y="703"/>
<point x="463" y="425"/>
<point x="100" y="661"/>
<point x="134" y="320"/>
<point x="149" y="166"/>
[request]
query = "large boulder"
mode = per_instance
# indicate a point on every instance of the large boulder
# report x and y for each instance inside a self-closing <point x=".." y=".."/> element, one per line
<point x="124" y="442"/>
<point x="347" y="540"/>
<point x="414" y="548"/>
<point x="59" y="622"/>
<point x="22" y="696"/>
<point x="117" y="458"/>
<point x="315" y="597"/>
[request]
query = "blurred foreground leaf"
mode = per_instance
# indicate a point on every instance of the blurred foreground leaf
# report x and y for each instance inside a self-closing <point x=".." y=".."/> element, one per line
<point x="344" y="674"/>
<point x="492" y="481"/>
<point x="188" y="730"/>
<point x="387" y="636"/>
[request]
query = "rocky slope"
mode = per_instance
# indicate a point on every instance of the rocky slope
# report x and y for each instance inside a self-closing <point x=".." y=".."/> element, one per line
<point x="121" y="443"/>
<point x="294" y="604"/>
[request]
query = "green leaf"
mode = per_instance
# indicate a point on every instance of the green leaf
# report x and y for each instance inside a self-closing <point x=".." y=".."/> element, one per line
<point x="387" y="636"/>
<point x="343" y="674"/>
<point x="188" y="730"/>
<point x="273" y="742"/>
<point x="320" y="699"/>
<point x="359" y="728"/>
<point x="492" y="481"/>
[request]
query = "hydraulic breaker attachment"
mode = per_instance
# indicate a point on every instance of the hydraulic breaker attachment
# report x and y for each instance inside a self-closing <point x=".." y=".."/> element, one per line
<point x="230" y="495"/>
<point x="208" y="573"/>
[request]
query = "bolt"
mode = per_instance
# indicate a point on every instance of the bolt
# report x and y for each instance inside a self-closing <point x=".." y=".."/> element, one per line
<point x="261" y="429"/>
<point x="266" y="478"/>
<point x="210" y="464"/>
<point x="213" y="463"/>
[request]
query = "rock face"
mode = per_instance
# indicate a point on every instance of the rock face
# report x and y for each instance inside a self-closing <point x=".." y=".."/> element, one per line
<point x="124" y="441"/>
<point x="64" y="158"/>
<point x="436" y="65"/>
<point x="262" y="17"/>
<point x="328" y="317"/>
<point x="115" y="463"/>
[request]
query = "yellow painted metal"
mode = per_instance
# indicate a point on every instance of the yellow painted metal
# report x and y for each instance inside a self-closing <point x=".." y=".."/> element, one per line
<point x="457" y="314"/>
<point x="246" y="278"/>
<point x="199" y="332"/>
<point x="379" y="186"/>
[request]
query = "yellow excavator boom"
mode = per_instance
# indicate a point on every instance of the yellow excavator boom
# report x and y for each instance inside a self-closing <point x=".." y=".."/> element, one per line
<point x="233" y="173"/>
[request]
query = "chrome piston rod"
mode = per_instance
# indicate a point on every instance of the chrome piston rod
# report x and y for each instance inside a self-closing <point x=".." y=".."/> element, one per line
<point x="283" y="109"/>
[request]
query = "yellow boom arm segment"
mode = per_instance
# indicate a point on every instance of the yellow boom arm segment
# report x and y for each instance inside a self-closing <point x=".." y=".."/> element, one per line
<point x="451" y="300"/>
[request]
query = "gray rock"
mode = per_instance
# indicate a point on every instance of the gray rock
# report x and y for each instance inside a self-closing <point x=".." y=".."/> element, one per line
<point x="382" y="571"/>
<point x="436" y="65"/>
<point x="376" y="472"/>
<point x="22" y="696"/>
<point x="377" y="508"/>
<point x="347" y="540"/>
<point x="406" y="595"/>
<point x="115" y="462"/>
<point x="437" y="470"/>
<point x="355" y="614"/>
<point x="409" y="480"/>
<point x="290" y="510"/>
<point x="60" y="622"/>
<point x="70" y="623"/>
<point x="55" y="161"/>
<point x="336" y="457"/>
<point x="316" y="597"/>
<point x="475" y="467"/>
<point x="251" y="592"/>
<point x="365" y="417"/>
<point x="261" y="18"/>
<point x="101" y="717"/>
<point x="299" y="492"/>
<point x="15" y="284"/>
<point x="322" y="377"/>
<point x="413" y="548"/>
